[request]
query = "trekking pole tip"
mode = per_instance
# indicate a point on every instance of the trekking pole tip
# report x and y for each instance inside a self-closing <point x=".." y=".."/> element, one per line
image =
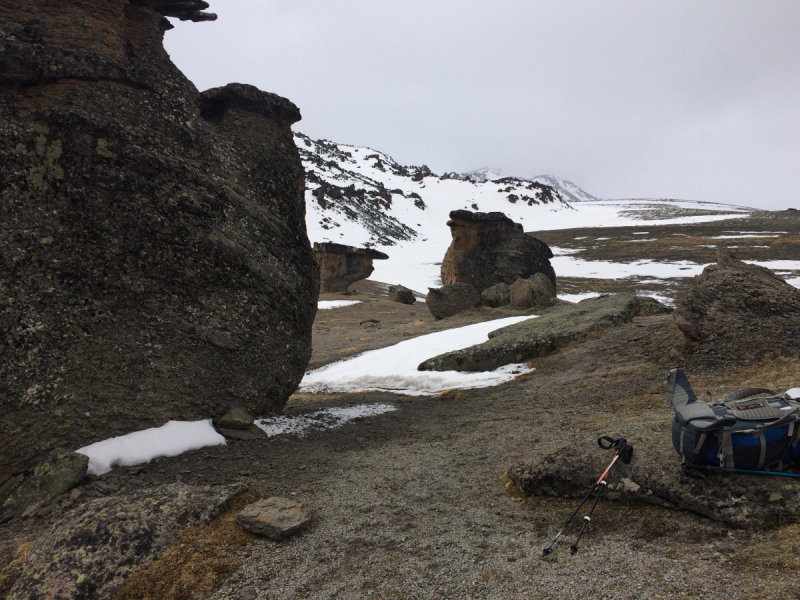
<point x="546" y="551"/>
<point x="573" y="550"/>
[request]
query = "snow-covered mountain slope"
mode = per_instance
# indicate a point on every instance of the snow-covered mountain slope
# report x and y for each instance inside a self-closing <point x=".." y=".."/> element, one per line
<point x="362" y="197"/>
<point x="566" y="189"/>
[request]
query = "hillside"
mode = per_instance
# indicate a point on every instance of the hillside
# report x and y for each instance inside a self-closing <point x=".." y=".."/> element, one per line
<point x="362" y="197"/>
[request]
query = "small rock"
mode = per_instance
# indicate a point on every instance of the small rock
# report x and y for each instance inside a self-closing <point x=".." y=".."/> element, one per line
<point x="275" y="518"/>
<point x="75" y="494"/>
<point x="31" y="511"/>
<point x="497" y="295"/>
<point x="235" y="418"/>
<point x="248" y="593"/>
<point x="254" y="432"/>
<point x="401" y="294"/>
<point x="675" y="355"/>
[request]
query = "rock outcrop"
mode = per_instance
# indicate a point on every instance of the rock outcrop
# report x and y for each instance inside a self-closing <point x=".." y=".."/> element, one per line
<point x="655" y="476"/>
<point x="533" y="337"/>
<point x="154" y="262"/>
<point x="91" y="551"/>
<point x="451" y="299"/>
<point x="742" y="309"/>
<point x="340" y="266"/>
<point x="401" y="294"/>
<point x="489" y="248"/>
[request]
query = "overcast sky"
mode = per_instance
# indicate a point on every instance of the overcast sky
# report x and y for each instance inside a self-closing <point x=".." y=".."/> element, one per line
<point x="628" y="99"/>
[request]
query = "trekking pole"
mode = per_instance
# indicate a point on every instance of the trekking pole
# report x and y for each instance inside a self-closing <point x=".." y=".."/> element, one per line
<point x="624" y="451"/>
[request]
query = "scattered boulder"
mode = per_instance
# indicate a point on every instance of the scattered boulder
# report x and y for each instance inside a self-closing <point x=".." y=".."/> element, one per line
<point x="537" y="291"/>
<point x="451" y="299"/>
<point x="743" y="309"/>
<point x="237" y="424"/>
<point x="155" y="258"/>
<point x="497" y="295"/>
<point x="235" y="418"/>
<point x="401" y="294"/>
<point x="490" y="248"/>
<point x="340" y="265"/>
<point x="90" y="552"/>
<point x="533" y="337"/>
<point x="275" y="518"/>
<point x="61" y="472"/>
<point x="655" y="476"/>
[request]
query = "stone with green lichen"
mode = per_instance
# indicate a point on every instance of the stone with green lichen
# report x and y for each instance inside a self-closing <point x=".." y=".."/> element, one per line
<point x="92" y="550"/>
<point x="534" y="337"/>
<point x="61" y="472"/>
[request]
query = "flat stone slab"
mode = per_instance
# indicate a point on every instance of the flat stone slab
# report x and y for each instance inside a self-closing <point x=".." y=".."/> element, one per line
<point x="655" y="476"/>
<point x="534" y="337"/>
<point x="275" y="518"/>
<point x="93" y="549"/>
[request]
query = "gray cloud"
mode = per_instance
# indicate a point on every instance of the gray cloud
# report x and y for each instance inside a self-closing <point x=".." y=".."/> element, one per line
<point x="677" y="99"/>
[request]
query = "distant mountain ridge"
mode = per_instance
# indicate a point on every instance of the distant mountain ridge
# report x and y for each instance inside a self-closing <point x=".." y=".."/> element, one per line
<point x="360" y="196"/>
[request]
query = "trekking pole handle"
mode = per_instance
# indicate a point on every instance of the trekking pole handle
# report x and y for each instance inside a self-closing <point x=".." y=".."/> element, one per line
<point x="623" y="449"/>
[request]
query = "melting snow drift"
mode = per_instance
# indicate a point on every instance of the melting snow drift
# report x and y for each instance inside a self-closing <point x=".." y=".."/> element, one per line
<point x="394" y="368"/>
<point x="326" y="304"/>
<point x="176" y="437"/>
<point x="330" y="418"/>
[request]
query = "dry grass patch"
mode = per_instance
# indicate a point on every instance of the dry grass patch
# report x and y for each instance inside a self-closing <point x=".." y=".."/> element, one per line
<point x="11" y="572"/>
<point x="778" y="374"/>
<point x="196" y="563"/>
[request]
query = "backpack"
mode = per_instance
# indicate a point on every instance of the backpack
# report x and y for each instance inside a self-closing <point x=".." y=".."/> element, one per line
<point x="747" y="430"/>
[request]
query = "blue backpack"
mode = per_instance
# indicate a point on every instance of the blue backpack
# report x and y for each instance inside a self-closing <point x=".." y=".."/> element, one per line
<point x="752" y="429"/>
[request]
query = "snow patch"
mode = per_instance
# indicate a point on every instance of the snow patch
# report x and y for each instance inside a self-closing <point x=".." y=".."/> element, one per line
<point x="328" y="304"/>
<point x="171" y="439"/>
<point x="330" y="418"/>
<point x="394" y="368"/>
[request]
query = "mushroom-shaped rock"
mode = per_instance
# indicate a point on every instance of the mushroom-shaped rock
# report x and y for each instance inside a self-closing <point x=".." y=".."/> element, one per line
<point x="490" y="248"/>
<point x="340" y="266"/>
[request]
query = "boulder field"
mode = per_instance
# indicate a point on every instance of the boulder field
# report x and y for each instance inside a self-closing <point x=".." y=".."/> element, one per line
<point x="154" y="262"/>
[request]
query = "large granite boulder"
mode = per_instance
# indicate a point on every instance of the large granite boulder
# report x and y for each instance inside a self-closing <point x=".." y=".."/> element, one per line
<point x="489" y="248"/>
<point x="451" y="299"/>
<point x="497" y="295"/>
<point x="536" y="291"/>
<point x="740" y="309"/>
<point x="536" y="336"/>
<point x="340" y="266"/>
<point x="154" y="262"/>
<point x="92" y="550"/>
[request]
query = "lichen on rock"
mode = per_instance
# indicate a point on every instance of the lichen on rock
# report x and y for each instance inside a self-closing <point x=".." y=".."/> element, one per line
<point x="154" y="262"/>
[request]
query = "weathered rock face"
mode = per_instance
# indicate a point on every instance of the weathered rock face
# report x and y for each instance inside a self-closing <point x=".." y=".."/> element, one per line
<point x="489" y="248"/>
<point x="340" y="265"/>
<point x="401" y="294"/>
<point x="741" y="308"/>
<point x="154" y="262"/>
<point x="451" y="299"/>
<point x="534" y="337"/>
<point x="93" y="549"/>
<point x="536" y="291"/>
